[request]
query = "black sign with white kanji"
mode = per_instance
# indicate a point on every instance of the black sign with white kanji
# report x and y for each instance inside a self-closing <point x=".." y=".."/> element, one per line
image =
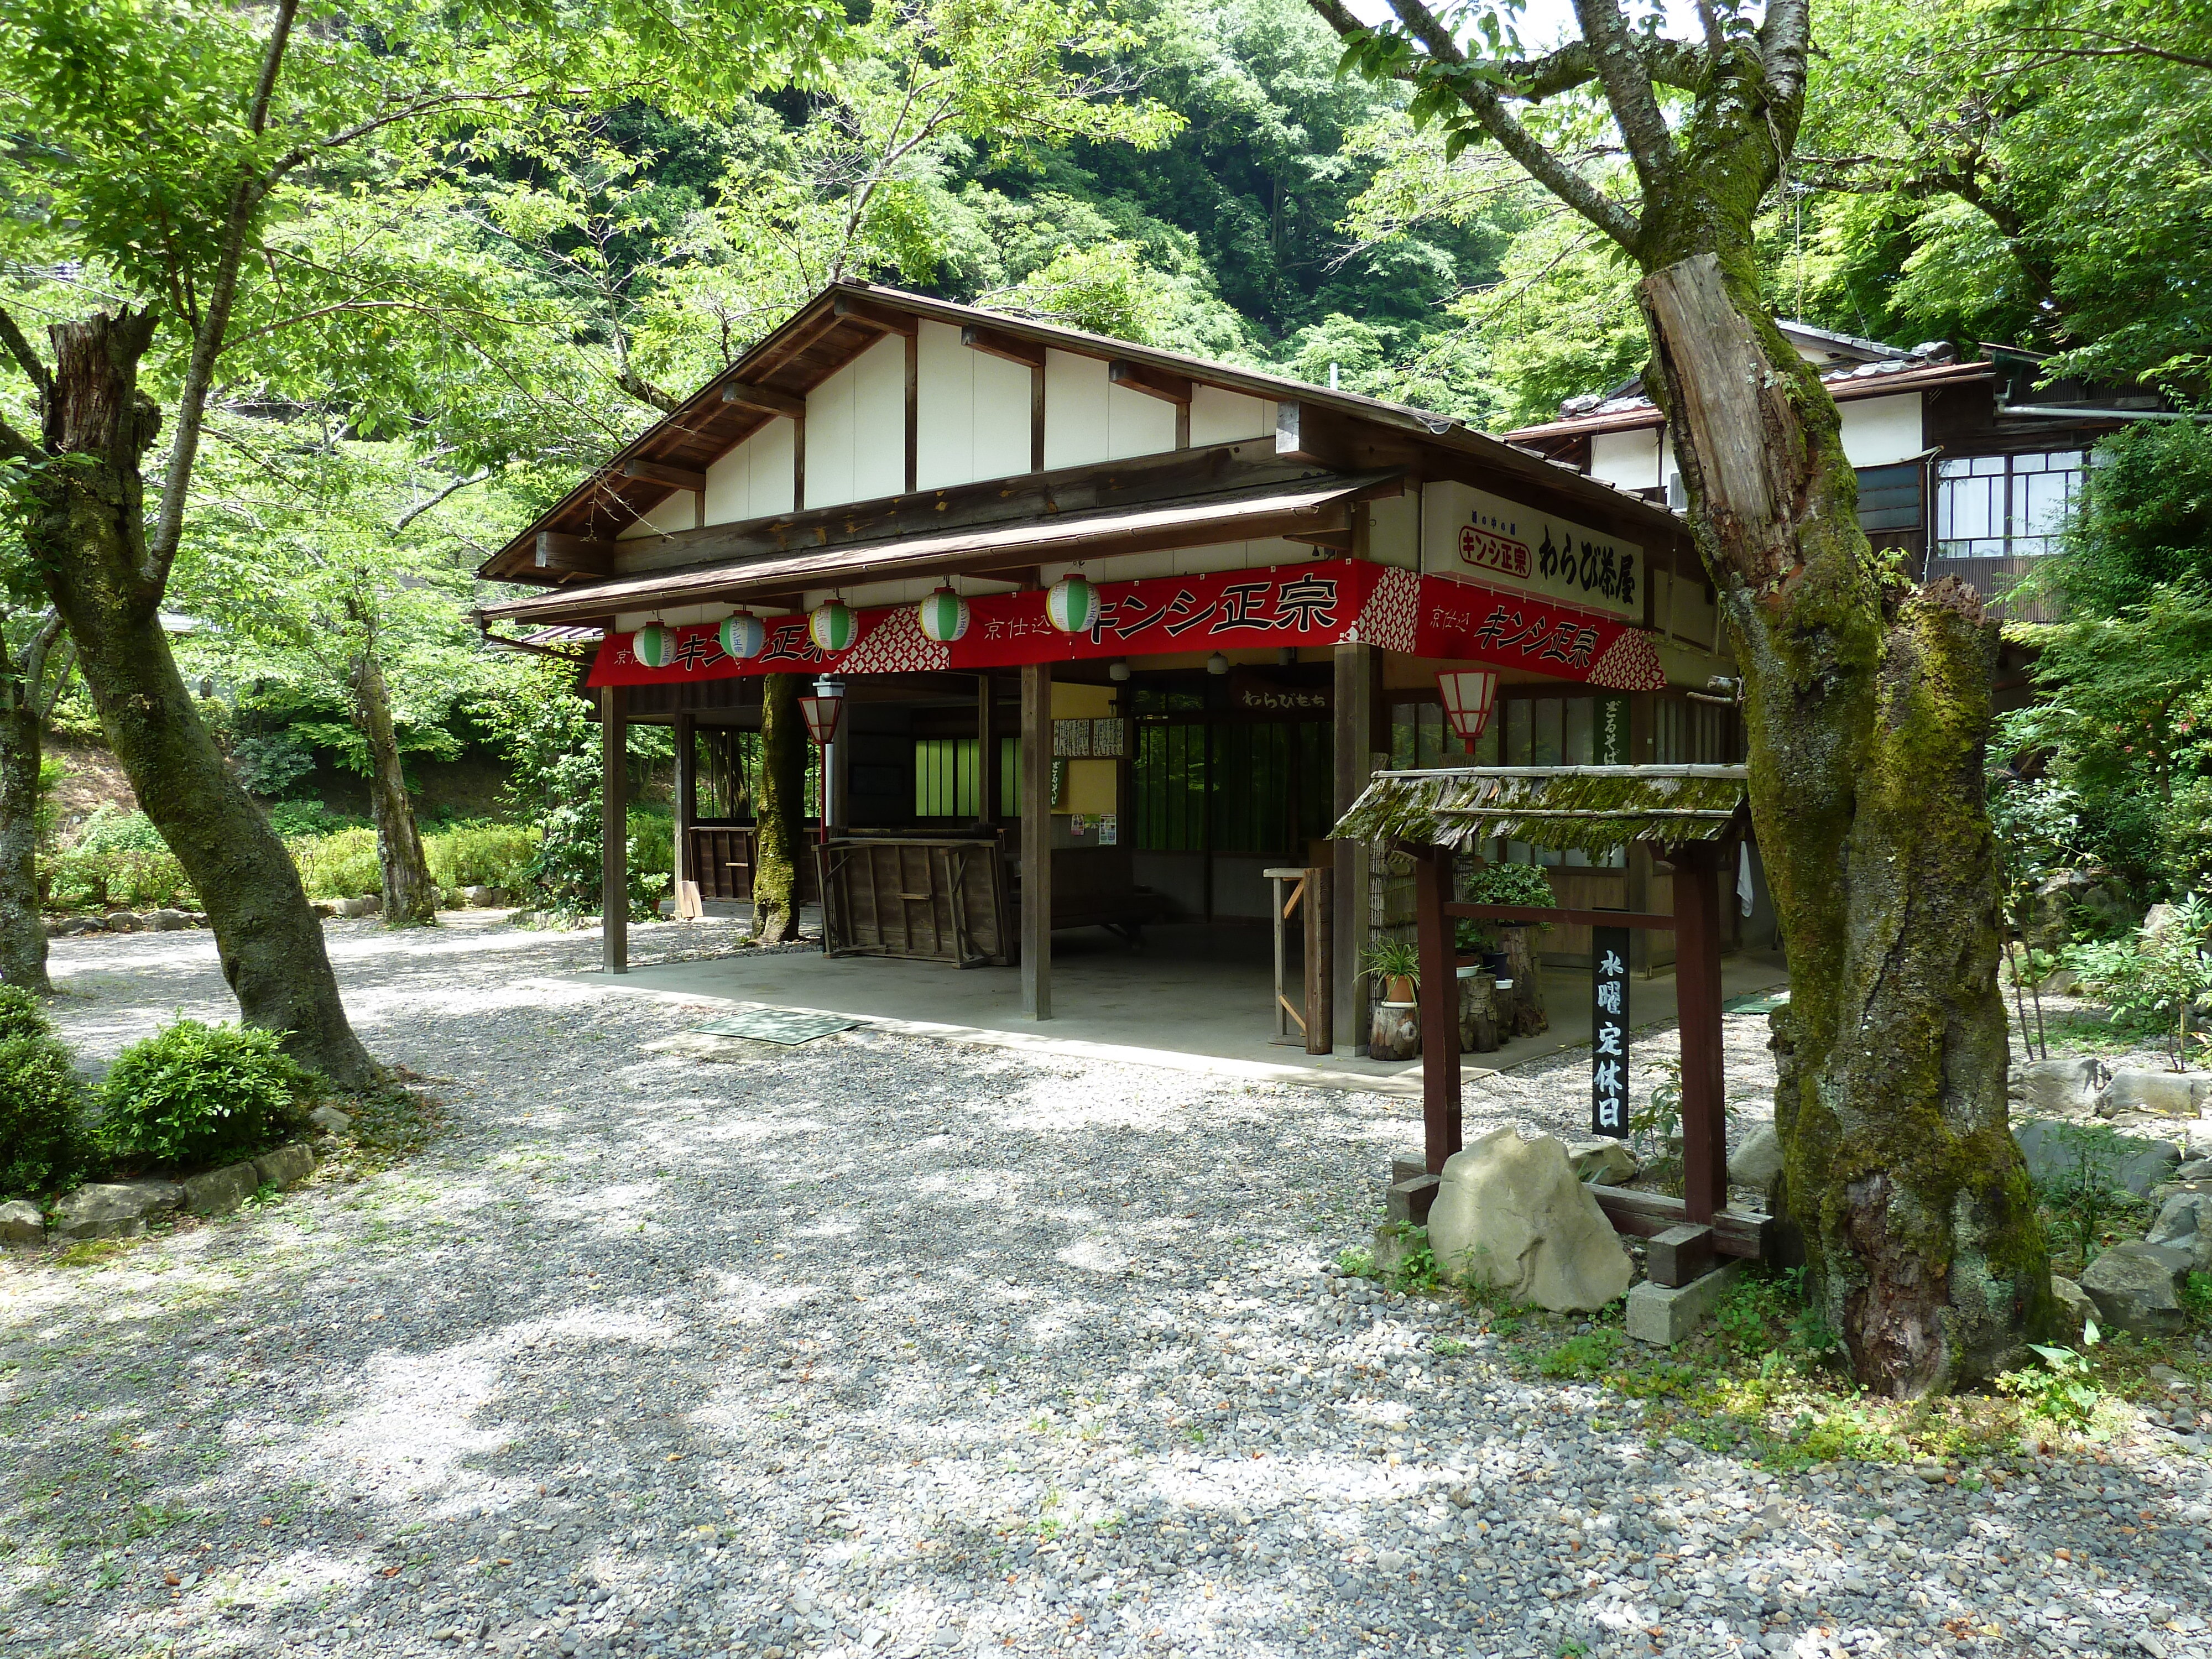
<point x="1609" y="1031"/>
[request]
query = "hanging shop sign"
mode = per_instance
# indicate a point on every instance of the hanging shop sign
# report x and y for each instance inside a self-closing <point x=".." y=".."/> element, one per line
<point x="1257" y="692"/>
<point x="1327" y="602"/>
<point x="1470" y="532"/>
<point x="1609" y="1031"/>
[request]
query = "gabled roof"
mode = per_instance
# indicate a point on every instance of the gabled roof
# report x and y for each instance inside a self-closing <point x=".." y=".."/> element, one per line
<point x="845" y="318"/>
<point x="1883" y="378"/>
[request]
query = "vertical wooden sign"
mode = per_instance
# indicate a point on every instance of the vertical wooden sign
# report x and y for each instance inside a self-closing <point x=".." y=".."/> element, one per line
<point x="1609" y="730"/>
<point x="1609" y="1031"/>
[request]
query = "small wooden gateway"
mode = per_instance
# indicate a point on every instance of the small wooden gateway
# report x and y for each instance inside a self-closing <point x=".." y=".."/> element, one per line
<point x="1692" y="817"/>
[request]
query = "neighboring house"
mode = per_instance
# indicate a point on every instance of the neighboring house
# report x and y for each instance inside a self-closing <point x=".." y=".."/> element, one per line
<point x="1968" y="467"/>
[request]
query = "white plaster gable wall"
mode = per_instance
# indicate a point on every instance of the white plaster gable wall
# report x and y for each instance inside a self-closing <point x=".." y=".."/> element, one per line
<point x="1628" y="460"/>
<point x="972" y="412"/>
<point x="1878" y="431"/>
<point x="1086" y="419"/>
<point x="856" y="428"/>
<point x="1393" y="531"/>
<point x="754" y="479"/>
<point x="1225" y="417"/>
<point x="678" y="510"/>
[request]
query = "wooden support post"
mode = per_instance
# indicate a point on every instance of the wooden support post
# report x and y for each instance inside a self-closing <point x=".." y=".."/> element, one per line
<point x="687" y="805"/>
<point x="1440" y="1103"/>
<point x="1697" y="1007"/>
<point x="614" y="828"/>
<point x="1037" y="839"/>
<point x="986" y="751"/>
<point x="1356" y="669"/>
<point x="1321" y="967"/>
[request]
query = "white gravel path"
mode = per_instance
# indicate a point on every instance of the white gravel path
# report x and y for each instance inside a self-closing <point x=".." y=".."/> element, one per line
<point x="878" y="1347"/>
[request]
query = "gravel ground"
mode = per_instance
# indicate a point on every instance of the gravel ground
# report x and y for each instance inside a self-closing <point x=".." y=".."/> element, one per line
<point x="875" y="1348"/>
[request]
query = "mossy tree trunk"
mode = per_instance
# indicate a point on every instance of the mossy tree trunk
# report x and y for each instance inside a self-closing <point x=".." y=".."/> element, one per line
<point x="22" y="935"/>
<point x="780" y="811"/>
<point x="411" y="897"/>
<point x="86" y="533"/>
<point x="1867" y="703"/>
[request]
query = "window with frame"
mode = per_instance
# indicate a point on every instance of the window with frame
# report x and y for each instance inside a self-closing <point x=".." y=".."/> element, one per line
<point x="2003" y="506"/>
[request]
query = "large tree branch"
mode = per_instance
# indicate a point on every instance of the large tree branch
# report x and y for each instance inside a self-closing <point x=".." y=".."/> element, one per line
<point x="15" y="445"/>
<point x="1481" y="100"/>
<point x="2094" y="43"/>
<point x="1785" y="44"/>
<point x="1628" y="94"/>
<point x="207" y="337"/>
<point x="32" y="364"/>
<point x="454" y="488"/>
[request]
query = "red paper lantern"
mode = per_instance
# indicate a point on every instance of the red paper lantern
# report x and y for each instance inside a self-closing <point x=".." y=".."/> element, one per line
<point x="1468" y="697"/>
<point x="823" y="711"/>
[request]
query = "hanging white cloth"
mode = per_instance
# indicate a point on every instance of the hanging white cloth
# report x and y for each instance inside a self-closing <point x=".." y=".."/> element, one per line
<point x="1743" y="875"/>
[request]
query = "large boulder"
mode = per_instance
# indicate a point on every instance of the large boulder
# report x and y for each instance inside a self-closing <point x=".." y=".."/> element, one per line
<point x="115" y="1209"/>
<point x="1510" y="1212"/>
<point x="1757" y="1162"/>
<point x="2137" y="1287"/>
<point x="2184" y="1222"/>
<point x="2053" y="1155"/>
<point x="2074" y="1308"/>
<point x="2159" y="1094"/>
<point x="20" y="1222"/>
<point x="2064" y="1087"/>
<point x="1605" y="1163"/>
<point x="218" y="1192"/>
<point x="287" y="1166"/>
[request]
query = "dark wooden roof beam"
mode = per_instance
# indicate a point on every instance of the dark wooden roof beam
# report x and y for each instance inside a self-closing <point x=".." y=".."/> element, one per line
<point x="882" y="318"/>
<point x="990" y="342"/>
<point x="1152" y="382"/>
<point x="752" y="395"/>
<point x="580" y="555"/>
<point x="676" y="478"/>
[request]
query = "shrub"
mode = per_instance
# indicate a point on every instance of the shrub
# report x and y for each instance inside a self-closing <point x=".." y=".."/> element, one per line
<point x="482" y="854"/>
<point x="341" y="866"/>
<point x="291" y="818"/>
<point x="117" y="858"/>
<point x="195" y="1095"/>
<point x="43" y="1143"/>
<point x="1511" y="883"/>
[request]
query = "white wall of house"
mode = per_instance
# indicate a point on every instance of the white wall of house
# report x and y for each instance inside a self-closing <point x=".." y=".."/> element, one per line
<point x="972" y="412"/>
<point x="1628" y="460"/>
<point x="754" y="479"/>
<point x="1881" y="430"/>
<point x="1087" y="419"/>
<point x="1394" y="530"/>
<point x="1226" y="417"/>
<point x="856" y="428"/>
<point x="678" y="510"/>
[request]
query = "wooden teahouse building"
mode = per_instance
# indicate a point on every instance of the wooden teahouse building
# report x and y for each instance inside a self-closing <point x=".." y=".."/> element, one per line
<point x="1116" y="630"/>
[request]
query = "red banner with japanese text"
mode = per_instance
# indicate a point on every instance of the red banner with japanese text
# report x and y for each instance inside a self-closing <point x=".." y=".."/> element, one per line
<point x="1323" y="603"/>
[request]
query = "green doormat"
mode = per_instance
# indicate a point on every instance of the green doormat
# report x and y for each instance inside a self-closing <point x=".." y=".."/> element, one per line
<point x="1765" y="1003"/>
<point x="785" y="1025"/>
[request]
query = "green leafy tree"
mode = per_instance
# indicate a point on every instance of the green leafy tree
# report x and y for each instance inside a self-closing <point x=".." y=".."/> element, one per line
<point x="1867" y="699"/>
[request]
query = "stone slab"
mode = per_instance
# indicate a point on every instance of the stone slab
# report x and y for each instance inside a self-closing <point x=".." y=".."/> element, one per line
<point x="2160" y="1094"/>
<point x="2141" y="1164"/>
<point x="22" y="1223"/>
<point x="115" y="1209"/>
<point x="217" y="1192"/>
<point x="1663" y="1315"/>
<point x="286" y="1167"/>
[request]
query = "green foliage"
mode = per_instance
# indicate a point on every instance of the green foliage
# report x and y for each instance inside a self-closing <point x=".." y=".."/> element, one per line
<point x="1589" y="1354"/>
<point x="43" y="1143"/>
<point x="2153" y="980"/>
<point x="194" y="1095"/>
<point x="339" y="866"/>
<point x="1355" y="1261"/>
<point x="295" y="819"/>
<point x="1391" y="955"/>
<point x="483" y="854"/>
<point x="1509" y="884"/>
<point x="1417" y="1272"/>
<point x="2087" y="1195"/>
<point x="2061" y="1388"/>
<point x="117" y="858"/>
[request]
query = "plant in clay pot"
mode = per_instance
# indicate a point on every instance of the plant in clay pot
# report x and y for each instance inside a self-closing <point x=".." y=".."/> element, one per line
<point x="1394" y="964"/>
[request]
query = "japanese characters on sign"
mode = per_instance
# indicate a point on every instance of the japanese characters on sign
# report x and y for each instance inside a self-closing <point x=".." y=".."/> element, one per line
<point x="1469" y="531"/>
<point x="1609" y="1031"/>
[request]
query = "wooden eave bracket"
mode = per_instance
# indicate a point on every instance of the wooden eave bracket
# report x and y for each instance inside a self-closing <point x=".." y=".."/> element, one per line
<point x="882" y="318"/>
<point x="677" y="478"/>
<point x="752" y="395"/>
<point x="1152" y="382"/>
<point x="582" y="556"/>
<point x="991" y="344"/>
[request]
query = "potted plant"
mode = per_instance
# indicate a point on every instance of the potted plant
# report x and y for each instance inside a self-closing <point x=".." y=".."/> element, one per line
<point x="1521" y="999"/>
<point x="1394" y="964"/>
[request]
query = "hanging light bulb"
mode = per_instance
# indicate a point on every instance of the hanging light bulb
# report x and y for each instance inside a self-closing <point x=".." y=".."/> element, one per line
<point x="1118" y="671"/>
<point x="1217" y="663"/>
<point x="1072" y="603"/>
<point x="743" y="636"/>
<point x="653" y="645"/>
<point x="944" y="616"/>
<point x="831" y="625"/>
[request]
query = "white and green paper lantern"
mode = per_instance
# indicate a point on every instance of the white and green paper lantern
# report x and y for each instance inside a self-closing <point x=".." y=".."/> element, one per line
<point x="944" y="617"/>
<point x="743" y="636"/>
<point x="654" y="646"/>
<point x="831" y="625"/>
<point x="1072" y="605"/>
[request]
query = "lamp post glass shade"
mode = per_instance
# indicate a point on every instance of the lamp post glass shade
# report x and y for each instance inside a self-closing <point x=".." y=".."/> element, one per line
<point x="831" y="625"/>
<point x="944" y="617"/>
<point x="822" y="714"/>
<point x="1468" y="698"/>
<point x="743" y="636"/>
<point x="654" y="646"/>
<point x="1072" y="603"/>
